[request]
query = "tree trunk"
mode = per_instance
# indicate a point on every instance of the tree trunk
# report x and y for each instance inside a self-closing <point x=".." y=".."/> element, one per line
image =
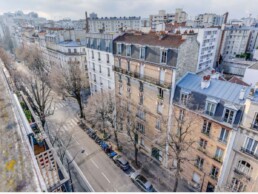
<point x="136" y="154"/>
<point x="80" y="106"/>
<point x="177" y="176"/>
<point x="116" y="138"/>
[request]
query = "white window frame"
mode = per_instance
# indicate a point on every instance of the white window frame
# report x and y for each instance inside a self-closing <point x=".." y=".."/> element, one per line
<point x="119" y="48"/>
<point x="225" y="134"/>
<point x="210" y="111"/>
<point x="142" y="48"/>
<point x="161" y="55"/>
<point x="128" y="50"/>
<point x="233" y="118"/>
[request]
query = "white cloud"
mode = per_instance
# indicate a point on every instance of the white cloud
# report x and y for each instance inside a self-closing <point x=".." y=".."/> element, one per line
<point x="75" y="8"/>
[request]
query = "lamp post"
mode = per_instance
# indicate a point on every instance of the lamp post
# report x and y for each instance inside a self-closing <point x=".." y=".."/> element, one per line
<point x="68" y="165"/>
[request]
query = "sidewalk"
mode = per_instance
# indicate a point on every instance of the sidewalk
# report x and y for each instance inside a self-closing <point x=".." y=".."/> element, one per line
<point x="161" y="178"/>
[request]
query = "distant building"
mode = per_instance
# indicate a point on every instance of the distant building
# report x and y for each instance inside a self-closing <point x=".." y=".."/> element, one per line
<point x="251" y="73"/>
<point x="208" y="20"/>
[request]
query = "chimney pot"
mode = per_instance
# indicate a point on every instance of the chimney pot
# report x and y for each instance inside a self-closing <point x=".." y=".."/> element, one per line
<point x="242" y="93"/>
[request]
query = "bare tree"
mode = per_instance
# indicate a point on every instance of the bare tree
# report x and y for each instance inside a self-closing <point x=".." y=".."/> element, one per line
<point x="70" y="82"/>
<point x="5" y="57"/>
<point x="181" y="139"/>
<point x="101" y="112"/>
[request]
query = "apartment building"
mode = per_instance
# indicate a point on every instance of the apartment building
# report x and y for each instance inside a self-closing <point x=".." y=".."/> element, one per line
<point x="235" y="41"/>
<point x="162" y="17"/>
<point x="99" y="52"/>
<point x="111" y="24"/>
<point x="147" y="67"/>
<point x="217" y="107"/>
<point x="241" y="169"/>
<point x="208" y="39"/>
<point x="208" y="20"/>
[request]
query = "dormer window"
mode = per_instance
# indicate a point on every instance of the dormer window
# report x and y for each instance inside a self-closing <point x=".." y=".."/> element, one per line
<point x="255" y="122"/>
<point x="142" y="52"/>
<point x="163" y="54"/>
<point x="119" y="48"/>
<point x="210" y="107"/>
<point x="229" y="115"/>
<point x="184" y="97"/>
<point x="128" y="50"/>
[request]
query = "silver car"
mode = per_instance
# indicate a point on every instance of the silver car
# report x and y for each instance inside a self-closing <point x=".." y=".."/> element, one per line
<point x="142" y="182"/>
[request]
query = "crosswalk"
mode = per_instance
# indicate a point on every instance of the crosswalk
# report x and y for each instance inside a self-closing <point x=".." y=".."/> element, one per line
<point x="59" y="105"/>
<point x="69" y="125"/>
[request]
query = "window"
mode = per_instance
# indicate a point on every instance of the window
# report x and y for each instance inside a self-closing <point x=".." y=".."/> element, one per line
<point x="69" y="50"/>
<point x="196" y="178"/>
<point x="142" y="52"/>
<point x="142" y="141"/>
<point x="94" y="78"/>
<point x="128" y="50"/>
<point x="107" y="45"/>
<point x="158" y="124"/>
<point x="237" y="185"/>
<point x="100" y="68"/>
<point x="184" y="98"/>
<point x="206" y="127"/>
<point x="228" y="116"/>
<point x="109" y="85"/>
<point x="156" y="153"/>
<point x="100" y="80"/>
<point x="99" y="56"/>
<point x="159" y="107"/>
<point x="214" y="172"/>
<point x="120" y="78"/>
<point x="93" y="66"/>
<point x="181" y="114"/>
<point x="75" y="51"/>
<point x="128" y="81"/>
<point x="98" y="43"/>
<point x="120" y="89"/>
<point x="255" y="122"/>
<point x="108" y="70"/>
<point x="141" y="128"/>
<point x="250" y="146"/>
<point x="92" y="54"/>
<point x="223" y="135"/>
<point x="210" y="108"/>
<point x="119" y="48"/>
<point x="244" y="167"/>
<point x="107" y="58"/>
<point x="141" y="114"/>
<point x="219" y="154"/>
<point x="141" y="99"/>
<point x="203" y="143"/>
<point x="160" y="95"/>
<point x="199" y="162"/>
<point x="163" y="56"/>
<point x="140" y="86"/>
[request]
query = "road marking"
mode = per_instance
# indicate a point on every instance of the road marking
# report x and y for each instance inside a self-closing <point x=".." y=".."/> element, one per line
<point x="73" y="122"/>
<point x="105" y="176"/>
<point x="94" y="163"/>
<point x="65" y="128"/>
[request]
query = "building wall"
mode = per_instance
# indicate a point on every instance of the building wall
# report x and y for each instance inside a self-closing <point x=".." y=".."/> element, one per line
<point x="250" y="76"/>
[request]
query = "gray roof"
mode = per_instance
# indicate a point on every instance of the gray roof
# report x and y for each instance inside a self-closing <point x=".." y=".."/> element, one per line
<point x="70" y="44"/>
<point x="223" y="90"/>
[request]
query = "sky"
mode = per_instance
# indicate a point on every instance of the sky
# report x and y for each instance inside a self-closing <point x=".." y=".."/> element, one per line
<point x="75" y="9"/>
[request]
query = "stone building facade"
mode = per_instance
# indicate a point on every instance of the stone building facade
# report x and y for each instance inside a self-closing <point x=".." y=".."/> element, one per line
<point x="217" y="107"/>
<point x="146" y="69"/>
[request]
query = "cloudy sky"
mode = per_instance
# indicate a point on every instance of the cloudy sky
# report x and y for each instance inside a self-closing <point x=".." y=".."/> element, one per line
<point x="74" y="9"/>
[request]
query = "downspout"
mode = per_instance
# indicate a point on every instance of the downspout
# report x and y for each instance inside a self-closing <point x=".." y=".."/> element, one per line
<point x="170" y="115"/>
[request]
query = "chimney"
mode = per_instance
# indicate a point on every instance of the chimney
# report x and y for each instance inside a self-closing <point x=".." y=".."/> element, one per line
<point x="206" y="81"/>
<point x="242" y="93"/>
<point x="214" y="74"/>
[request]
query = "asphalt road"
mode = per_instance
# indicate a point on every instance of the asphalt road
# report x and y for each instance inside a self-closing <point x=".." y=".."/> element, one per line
<point x="97" y="168"/>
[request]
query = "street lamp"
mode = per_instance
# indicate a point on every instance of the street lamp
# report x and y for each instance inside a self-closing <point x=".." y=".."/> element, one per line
<point x="68" y="165"/>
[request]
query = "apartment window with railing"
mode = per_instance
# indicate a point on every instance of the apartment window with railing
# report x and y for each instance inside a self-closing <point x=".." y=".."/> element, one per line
<point x="255" y="122"/>
<point x="159" y="107"/>
<point x="141" y="114"/>
<point x="108" y="70"/>
<point x="107" y="58"/>
<point x="69" y="50"/>
<point x="244" y="167"/>
<point x="128" y="66"/>
<point x="75" y="50"/>
<point x="140" y="128"/>
<point x="250" y="146"/>
<point x="219" y="154"/>
<point x="223" y="135"/>
<point x="237" y="185"/>
<point x="158" y="124"/>
<point x="94" y="78"/>
<point x="199" y="162"/>
<point x="107" y="45"/>
<point x="140" y="86"/>
<point x="229" y="115"/>
<point x="214" y="172"/>
<point x="161" y="93"/>
<point x="206" y="128"/>
<point x="99" y="58"/>
<point x="203" y="143"/>
<point x="98" y="43"/>
<point x="120" y="89"/>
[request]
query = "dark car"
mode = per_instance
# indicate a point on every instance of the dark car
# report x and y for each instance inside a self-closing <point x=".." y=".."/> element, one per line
<point x="142" y="182"/>
<point x="121" y="162"/>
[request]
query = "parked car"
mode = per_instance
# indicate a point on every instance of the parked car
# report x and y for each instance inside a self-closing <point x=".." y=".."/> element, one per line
<point x="121" y="162"/>
<point x="112" y="154"/>
<point x="142" y="182"/>
<point x="97" y="139"/>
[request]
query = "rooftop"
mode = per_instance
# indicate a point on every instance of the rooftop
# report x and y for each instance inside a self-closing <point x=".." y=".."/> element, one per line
<point x="168" y="41"/>
<point x="70" y="43"/>
<point x="237" y="80"/>
<point x="224" y="90"/>
<point x="254" y="66"/>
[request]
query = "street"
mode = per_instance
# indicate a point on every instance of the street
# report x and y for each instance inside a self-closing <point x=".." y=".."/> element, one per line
<point x="99" y="170"/>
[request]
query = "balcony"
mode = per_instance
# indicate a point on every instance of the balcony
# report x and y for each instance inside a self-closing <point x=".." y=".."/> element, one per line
<point x="145" y="78"/>
<point x="215" y="177"/>
<point x="198" y="166"/>
<point x="160" y="97"/>
<point x="249" y="152"/>
<point x="224" y="141"/>
<point x="218" y="159"/>
<point x="206" y="133"/>
<point x="242" y="174"/>
<point x="201" y="149"/>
